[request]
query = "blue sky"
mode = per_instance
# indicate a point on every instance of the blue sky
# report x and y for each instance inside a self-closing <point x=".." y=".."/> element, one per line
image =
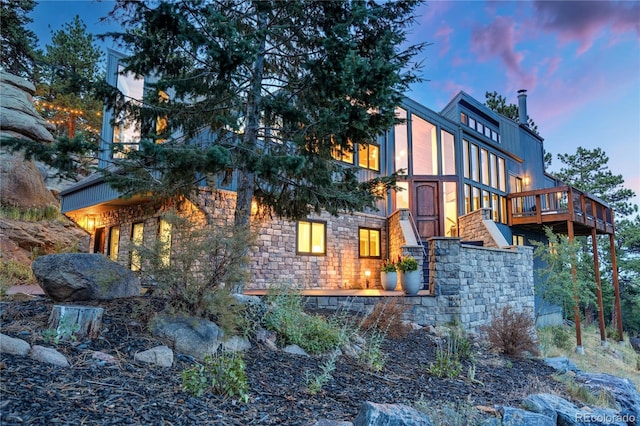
<point x="579" y="61"/>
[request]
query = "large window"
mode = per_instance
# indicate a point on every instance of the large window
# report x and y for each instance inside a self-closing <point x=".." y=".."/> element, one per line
<point x="450" y="209"/>
<point x="114" y="243"/>
<point x="369" y="156"/>
<point x="401" y="142"/>
<point x="425" y="147"/>
<point x="125" y="131"/>
<point x="369" y="242"/>
<point x="312" y="238"/>
<point x="402" y="197"/>
<point x="137" y="238"/>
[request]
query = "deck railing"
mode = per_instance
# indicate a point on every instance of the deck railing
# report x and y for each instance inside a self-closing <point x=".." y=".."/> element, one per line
<point x="562" y="203"/>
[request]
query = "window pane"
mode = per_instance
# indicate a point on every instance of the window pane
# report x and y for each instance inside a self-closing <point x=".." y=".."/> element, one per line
<point x="501" y="175"/>
<point x="137" y="237"/>
<point x="114" y="243"/>
<point x="472" y="123"/>
<point x="484" y="160"/>
<point x="164" y="236"/>
<point x="476" y="198"/>
<point x="467" y="199"/>
<point x="448" y="153"/>
<point x="486" y="200"/>
<point x="450" y="209"/>
<point x="374" y="243"/>
<point x="465" y="157"/>
<point x="503" y="209"/>
<point x="424" y="148"/>
<point x="480" y="128"/>
<point x="374" y="157"/>
<point x="401" y="144"/>
<point x="364" y="242"/>
<point x="402" y="197"/>
<point x="304" y="237"/>
<point x="493" y="165"/>
<point x="475" y="169"/>
<point x="317" y="237"/>
<point x="363" y="157"/>
<point x="495" y="207"/>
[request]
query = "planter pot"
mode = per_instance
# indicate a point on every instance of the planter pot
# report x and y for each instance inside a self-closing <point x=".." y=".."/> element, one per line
<point x="410" y="282"/>
<point x="389" y="280"/>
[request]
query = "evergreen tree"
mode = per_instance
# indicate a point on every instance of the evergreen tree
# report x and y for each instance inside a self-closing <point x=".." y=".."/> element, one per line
<point x="67" y="71"/>
<point x="498" y="103"/>
<point x="17" y="43"/>
<point x="277" y="87"/>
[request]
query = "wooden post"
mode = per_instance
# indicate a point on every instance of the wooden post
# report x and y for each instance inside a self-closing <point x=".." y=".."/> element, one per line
<point x="78" y="321"/>
<point x="576" y="296"/>
<point x="596" y="267"/>
<point x="616" y="286"/>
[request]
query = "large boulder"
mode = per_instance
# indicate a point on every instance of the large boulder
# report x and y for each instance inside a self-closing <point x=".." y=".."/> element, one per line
<point x="69" y="277"/>
<point x="197" y="337"/>
<point x="623" y="391"/>
<point x="372" y="414"/>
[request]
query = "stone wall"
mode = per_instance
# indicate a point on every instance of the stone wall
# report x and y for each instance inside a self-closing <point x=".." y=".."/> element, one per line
<point x="472" y="227"/>
<point x="273" y="259"/>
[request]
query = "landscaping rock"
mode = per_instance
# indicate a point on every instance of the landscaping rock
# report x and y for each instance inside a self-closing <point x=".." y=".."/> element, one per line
<point x="326" y="422"/>
<point x="106" y="358"/>
<point x="622" y="390"/>
<point x="561" y="363"/>
<point x="372" y="414"/>
<point x="191" y="336"/>
<point x="84" y="276"/>
<point x="48" y="355"/>
<point x="160" y="355"/>
<point x="516" y="416"/>
<point x="12" y="345"/>
<point x="538" y="404"/>
<point x="570" y="415"/>
<point x="236" y="344"/>
<point x="295" y="350"/>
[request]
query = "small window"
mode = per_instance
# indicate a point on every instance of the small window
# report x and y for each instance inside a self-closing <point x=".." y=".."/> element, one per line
<point x="369" y="242"/>
<point x="472" y="123"/>
<point x="464" y="118"/>
<point x="312" y="238"/>
<point x="164" y="238"/>
<point x="480" y="128"/>
<point x="369" y="156"/>
<point x="494" y="135"/>
<point x="487" y="132"/>
<point x="518" y="240"/>
<point x="344" y="155"/>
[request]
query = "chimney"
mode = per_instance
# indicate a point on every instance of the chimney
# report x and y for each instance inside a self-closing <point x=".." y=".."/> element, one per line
<point x="522" y="107"/>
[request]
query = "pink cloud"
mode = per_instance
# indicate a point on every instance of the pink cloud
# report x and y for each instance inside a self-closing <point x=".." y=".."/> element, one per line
<point x="443" y="37"/>
<point x="584" y="21"/>
<point x="499" y="39"/>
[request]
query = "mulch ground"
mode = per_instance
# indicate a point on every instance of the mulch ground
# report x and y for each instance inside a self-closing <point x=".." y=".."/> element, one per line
<point x="91" y="392"/>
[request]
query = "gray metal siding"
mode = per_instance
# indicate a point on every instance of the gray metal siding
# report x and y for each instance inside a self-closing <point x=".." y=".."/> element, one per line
<point x="88" y="196"/>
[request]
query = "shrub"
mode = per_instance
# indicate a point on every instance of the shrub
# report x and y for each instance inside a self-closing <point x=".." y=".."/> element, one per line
<point x="200" y="260"/>
<point x="447" y="363"/>
<point x="223" y="373"/>
<point x="30" y="214"/>
<point x="511" y="333"/>
<point x="386" y="316"/>
<point x="14" y="273"/>
<point x="286" y="316"/>
<point x="460" y="413"/>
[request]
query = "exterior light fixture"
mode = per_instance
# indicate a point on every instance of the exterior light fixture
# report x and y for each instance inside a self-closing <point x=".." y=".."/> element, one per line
<point x="367" y="274"/>
<point x="526" y="180"/>
<point x="90" y="221"/>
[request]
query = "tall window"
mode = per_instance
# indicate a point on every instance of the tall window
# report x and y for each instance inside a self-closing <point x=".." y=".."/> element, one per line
<point x="448" y="153"/>
<point x="312" y="237"/>
<point x="475" y="168"/>
<point x="164" y="237"/>
<point x="114" y="243"/>
<point x="137" y="238"/>
<point x="425" y="147"/>
<point x="125" y="131"/>
<point x="369" y="242"/>
<point x="465" y="155"/>
<point x="401" y="156"/>
<point x="402" y="197"/>
<point x="484" y="161"/>
<point x="369" y="156"/>
<point x="450" y="209"/>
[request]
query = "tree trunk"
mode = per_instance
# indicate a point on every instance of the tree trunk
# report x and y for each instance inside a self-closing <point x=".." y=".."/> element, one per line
<point x="75" y="321"/>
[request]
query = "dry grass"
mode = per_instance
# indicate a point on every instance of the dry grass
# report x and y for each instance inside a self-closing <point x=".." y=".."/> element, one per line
<point x="616" y="359"/>
<point x="386" y="316"/>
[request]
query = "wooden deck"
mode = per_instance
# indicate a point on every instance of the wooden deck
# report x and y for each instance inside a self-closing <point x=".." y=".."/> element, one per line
<point x="556" y="207"/>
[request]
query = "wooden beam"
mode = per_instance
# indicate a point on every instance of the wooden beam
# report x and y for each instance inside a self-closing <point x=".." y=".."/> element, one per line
<point x="616" y="287"/>
<point x="576" y="296"/>
<point x="596" y="269"/>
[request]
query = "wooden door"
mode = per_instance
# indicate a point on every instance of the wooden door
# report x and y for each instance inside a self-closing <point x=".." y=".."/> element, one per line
<point x="425" y="209"/>
<point x="98" y="244"/>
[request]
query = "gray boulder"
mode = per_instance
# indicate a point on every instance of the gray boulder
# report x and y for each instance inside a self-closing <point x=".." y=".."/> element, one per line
<point x="190" y="336"/>
<point x="570" y="415"/>
<point x="160" y="355"/>
<point x="538" y="404"/>
<point x="70" y="277"/>
<point x="295" y="350"/>
<point x="517" y="417"/>
<point x="14" y="346"/>
<point x="561" y="363"/>
<point x="623" y="391"/>
<point x="372" y="414"/>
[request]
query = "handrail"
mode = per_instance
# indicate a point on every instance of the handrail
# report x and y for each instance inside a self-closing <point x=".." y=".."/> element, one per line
<point x="414" y="228"/>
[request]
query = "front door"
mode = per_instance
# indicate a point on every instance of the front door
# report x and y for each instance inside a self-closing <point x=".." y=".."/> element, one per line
<point x="426" y="209"/>
<point x="98" y="244"/>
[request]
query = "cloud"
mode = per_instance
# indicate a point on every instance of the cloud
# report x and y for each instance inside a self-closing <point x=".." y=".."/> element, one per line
<point x="443" y="37"/>
<point x="499" y="39"/>
<point x="584" y="21"/>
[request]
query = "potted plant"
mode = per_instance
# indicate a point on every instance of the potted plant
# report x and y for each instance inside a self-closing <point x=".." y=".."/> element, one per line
<point x="388" y="275"/>
<point x="409" y="274"/>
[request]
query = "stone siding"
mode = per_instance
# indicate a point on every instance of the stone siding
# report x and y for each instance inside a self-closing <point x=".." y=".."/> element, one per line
<point x="472" y="227"/>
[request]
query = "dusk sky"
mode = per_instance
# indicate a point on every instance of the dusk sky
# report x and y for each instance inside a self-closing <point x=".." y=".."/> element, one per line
<point x="579" y="61"/>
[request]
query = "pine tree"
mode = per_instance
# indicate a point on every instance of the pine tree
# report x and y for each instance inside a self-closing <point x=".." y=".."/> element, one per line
<point x="278" y="87"/>
<point x="17" y="43"/>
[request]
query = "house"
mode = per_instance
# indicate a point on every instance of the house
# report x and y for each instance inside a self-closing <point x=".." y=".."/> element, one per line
<point x="475" y="194"/>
